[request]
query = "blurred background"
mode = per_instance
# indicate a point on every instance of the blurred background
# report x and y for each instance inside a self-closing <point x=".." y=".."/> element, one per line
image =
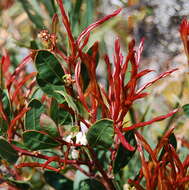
<point x="156" y="20"/>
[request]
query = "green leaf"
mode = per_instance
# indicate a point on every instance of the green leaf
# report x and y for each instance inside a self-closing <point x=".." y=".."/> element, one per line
<point x="37" y="94"/>
<point x="21" y="185"/>
<point x="69" y="100"/>
<point x="18" y="144"/>
<point x="79" y="176"/>
<point x="59" y="115"/>
<point x="50" y="74"/>
<point x="124" y="155"/>
<point x="7" y="152"/>
<point x="32" y="119"/>
<point x="3" y="126"/>
<point x="82" y="110"/>
<point x="50" y="89"/>
<point x="50" y="153"/>
<point x="85" y="76"/>
<point x="101" y="134"/>
<point x="118" y="182"/>
<point x="186" y="109"/>
<point x="104" y="157"/>
<point x="49" y="68"/>
<point x="48" y="125"/>
<point x="90" y="184"/>
<point x="172" y="140"/>
<point x="36" y="140"/>
<point x="58" y="181"/>
<point x="6" y="103"/>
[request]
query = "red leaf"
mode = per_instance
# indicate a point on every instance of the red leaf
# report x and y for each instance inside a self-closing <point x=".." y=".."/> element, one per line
<point x="18" y="69"/>
<point x="138" y="96"/>
<point x="5" y="61"/>
<point x="139" y="51"/>
<point x="184" y="142"/>
<point x="184" y="32"/>
<point x="163" y="141"/>
<point x="85" y="41"/>
<point x="184" y="180"/>
<point x="13" y="123"/>
<point x="110" y="79"/>
<point x="128" y="58"/>
<point x="145" y="168"/>
<point x="177" y="160"/>
<point x="79" y="90"/>
<point x="123" y="140"/>
<point x="186" y="163"/>
<point x="156" y="119"/>
<point x="94" y="25"/>
<point x="2" y="113"/>
<point x="66" y="23"/>
<point x="144" y="72"/>
<point x="146" y="146"/>
<point x="20" y="84"/>
<point x="156" y="79"/>
<point x="184" y="28"/>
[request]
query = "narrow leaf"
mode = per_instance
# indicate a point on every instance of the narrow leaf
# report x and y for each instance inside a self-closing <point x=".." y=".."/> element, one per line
<point x="96" y="24"/>
<point x="156" y="119"/>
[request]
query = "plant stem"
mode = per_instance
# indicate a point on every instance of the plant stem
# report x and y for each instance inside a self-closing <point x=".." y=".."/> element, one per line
<point x="107" y="181"/>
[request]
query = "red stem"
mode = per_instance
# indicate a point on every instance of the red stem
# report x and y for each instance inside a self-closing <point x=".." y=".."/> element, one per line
<point x="107" y="181"/>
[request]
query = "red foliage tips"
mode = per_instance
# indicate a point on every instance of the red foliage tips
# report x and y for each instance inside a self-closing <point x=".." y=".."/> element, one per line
<point x="167" y="172"/>
<point x="66" y="23"/>
<point x="96" y="24"/>
<point x="184" y="33"/>
<point x="12" y="126"/>
<point x="156" y="119"/>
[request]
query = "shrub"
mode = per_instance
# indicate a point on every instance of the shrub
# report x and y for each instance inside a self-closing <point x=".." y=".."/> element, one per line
<point x="61" y="120"/>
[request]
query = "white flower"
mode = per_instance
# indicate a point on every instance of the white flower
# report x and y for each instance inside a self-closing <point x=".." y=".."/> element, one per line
<point x="81" y="136"/>
<point x="74" y="153"/>
<point x="68" y="138"/>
